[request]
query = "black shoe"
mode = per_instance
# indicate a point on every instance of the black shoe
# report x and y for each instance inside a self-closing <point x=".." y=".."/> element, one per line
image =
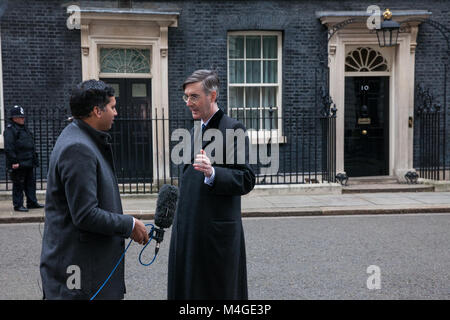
<point x="35" y="206"/>
<point x="21" y="209"/>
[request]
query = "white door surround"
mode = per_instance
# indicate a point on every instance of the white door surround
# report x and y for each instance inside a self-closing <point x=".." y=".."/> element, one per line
<point x="401" y="61"/>
<point x="133" y="28"/>
<point x="2" y="109"/>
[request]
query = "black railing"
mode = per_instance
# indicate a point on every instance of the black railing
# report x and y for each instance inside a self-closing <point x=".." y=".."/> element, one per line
<point x="305" y="146"/>
<point x="431" y="155"/>
<point x="296" y="149"/>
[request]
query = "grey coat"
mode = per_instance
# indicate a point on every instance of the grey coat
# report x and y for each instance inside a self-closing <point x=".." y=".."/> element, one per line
<point x="84" y="224"/>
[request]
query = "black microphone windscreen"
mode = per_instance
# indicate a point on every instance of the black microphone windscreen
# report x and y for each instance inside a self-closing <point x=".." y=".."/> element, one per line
<point x="166" y="206"/>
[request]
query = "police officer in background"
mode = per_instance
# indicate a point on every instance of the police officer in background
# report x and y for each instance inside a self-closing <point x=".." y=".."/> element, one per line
<point x="21" y="158"/>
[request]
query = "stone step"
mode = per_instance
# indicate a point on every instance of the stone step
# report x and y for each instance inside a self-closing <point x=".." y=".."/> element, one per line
<point x="387" y="187"/>
<point x="371" y="180"/>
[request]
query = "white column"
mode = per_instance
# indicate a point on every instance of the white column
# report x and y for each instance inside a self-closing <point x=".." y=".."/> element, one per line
<point x="337" y="87"/>
<point x="404" y="97"/>
<point x="2" y="109"/>
<point x="412" y="64"/>
<point x="85" y="50"/>
<point x="161" y="136"/>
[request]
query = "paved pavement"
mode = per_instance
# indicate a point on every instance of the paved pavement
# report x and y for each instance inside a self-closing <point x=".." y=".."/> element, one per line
<point x="261" y="205"/>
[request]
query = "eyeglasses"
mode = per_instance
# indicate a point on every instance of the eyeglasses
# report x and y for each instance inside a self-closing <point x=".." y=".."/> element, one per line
<point x="193" y="98"/>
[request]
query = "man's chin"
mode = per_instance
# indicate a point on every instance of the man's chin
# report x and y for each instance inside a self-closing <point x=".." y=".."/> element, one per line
<point x="196" y="116"/>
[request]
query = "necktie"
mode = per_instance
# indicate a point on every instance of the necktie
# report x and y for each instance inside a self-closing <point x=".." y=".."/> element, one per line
<point x="203" y="128"/>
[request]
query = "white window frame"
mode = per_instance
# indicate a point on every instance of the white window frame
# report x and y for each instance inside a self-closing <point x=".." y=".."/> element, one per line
<point x="261" y="136"/>
<point x="124" y="75"/>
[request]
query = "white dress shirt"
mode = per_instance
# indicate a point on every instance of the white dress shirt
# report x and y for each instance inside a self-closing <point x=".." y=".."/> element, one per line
<point x="209" y="181"/>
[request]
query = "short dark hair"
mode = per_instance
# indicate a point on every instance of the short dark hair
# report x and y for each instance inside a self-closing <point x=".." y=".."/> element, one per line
<point x="88" y="94"/>
<point x="208" y="78"/>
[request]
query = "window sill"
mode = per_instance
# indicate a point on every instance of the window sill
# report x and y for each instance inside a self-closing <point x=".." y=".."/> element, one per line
<point x="265" y="137"/>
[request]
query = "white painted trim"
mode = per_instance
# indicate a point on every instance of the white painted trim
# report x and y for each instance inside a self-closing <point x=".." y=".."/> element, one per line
<point x="279" y="85"/>
<point x="125" y="75"/>
<point x="265" y="136"/>
<point x="2" y="109"/>
<point x="387" y="53"/>
<point x="401" y="92"/>
<point x="124" y="30"/>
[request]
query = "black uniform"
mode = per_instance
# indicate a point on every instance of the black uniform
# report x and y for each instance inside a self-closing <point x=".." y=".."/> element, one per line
<point x="20" y="148"/>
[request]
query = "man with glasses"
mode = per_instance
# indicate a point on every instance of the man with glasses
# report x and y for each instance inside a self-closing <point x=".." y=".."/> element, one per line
<point x="207" y="257"/>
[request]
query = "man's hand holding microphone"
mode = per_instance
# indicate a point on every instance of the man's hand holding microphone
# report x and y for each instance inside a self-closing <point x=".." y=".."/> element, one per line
<point x="139" y="233"/>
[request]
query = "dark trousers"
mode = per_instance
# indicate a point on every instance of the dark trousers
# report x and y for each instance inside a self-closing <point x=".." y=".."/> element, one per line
<point x="23" y="181"/>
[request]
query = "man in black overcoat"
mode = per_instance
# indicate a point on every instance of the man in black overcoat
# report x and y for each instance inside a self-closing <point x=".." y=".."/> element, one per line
<point x="85" y="227"/>
<point x="207" y="257"/>
<point x="21" y="159"/>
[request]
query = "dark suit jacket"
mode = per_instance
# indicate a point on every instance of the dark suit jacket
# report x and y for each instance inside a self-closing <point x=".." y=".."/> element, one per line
<point x="84" y="224"/>
<point x="207" y="257"/>
<point x="19" y="146"/>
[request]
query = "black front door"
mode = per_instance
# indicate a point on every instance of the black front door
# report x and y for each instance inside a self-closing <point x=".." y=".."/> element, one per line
<point x="366" y="141"/>
<point x="132" y="129"/>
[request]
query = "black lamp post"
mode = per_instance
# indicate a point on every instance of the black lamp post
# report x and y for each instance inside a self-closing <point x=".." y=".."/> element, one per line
<point x="388" y="32"/>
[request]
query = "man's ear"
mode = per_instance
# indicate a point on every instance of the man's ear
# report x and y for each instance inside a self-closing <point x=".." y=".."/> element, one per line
<point x="96" y="111"/>
<point x="213" y="96"/>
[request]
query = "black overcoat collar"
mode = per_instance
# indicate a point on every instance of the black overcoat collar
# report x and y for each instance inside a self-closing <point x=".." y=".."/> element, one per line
<point x="215" y="120"/>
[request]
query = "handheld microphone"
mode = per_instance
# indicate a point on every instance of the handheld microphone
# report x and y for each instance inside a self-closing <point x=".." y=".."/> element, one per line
<point x="165" y="210"/>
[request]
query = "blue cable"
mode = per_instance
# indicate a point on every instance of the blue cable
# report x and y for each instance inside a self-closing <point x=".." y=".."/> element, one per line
<point x="140" y="254"/>
<point x="123" y="254"/>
